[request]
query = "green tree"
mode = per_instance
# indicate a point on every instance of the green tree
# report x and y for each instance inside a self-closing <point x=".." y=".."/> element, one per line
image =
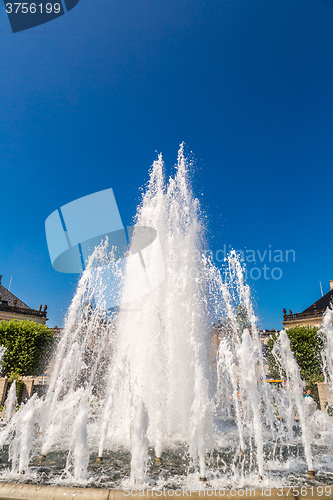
<point x="28" y="347"/>
<point x="306" y="346"/>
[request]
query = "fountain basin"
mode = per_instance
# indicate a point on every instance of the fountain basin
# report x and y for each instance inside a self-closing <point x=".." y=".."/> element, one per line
<point x="12" y="491"/>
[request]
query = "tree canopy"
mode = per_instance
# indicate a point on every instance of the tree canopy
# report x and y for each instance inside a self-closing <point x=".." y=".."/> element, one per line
<point x="306" y="346"/>
<point x="28" y="347"/>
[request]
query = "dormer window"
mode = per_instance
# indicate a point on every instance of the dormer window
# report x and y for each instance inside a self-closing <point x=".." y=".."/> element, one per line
<point x="4" y="302"/>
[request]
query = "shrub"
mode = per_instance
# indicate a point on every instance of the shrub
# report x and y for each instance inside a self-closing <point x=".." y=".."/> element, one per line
<point x="306" y="346"/>
<point x="28" y="345"/>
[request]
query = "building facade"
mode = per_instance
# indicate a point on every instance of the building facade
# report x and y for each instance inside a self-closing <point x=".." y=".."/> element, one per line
<point x="312" y="315"/>
<point x="11" y="307"/>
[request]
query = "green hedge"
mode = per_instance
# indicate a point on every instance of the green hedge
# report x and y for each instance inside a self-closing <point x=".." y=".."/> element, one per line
<point x="28" y="345"/>
<point x="306" y="346"/>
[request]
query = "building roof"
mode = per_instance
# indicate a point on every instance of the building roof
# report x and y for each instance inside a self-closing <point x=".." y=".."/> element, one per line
<point x="9" y="297"/>
<point x="320" y="305"/>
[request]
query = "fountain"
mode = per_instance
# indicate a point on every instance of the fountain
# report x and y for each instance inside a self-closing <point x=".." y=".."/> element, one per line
<point x="139" y="399"/>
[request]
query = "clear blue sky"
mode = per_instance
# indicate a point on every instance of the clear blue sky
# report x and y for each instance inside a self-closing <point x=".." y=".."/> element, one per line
<point x="87" y="99"/>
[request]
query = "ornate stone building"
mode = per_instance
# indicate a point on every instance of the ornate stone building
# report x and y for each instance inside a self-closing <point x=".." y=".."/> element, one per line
<point x="312" y="315"/>
<point x="13" y="308"/>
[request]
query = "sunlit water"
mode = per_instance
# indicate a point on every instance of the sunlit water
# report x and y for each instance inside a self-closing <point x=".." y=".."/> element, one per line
<point x="141" y="381"/>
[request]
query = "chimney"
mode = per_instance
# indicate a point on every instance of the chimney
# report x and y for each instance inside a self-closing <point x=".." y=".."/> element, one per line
<point x="331" y="283"/>
<point x="0" y="278"/>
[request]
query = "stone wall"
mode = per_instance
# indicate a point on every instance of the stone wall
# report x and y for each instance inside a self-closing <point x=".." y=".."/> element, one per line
<point x="31" y="385"/>
<point x="325" y="394"/>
